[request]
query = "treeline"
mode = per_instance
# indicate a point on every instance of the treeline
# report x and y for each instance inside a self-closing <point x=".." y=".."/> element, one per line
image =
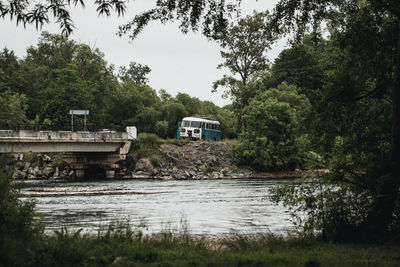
<point x="59" y="74"/>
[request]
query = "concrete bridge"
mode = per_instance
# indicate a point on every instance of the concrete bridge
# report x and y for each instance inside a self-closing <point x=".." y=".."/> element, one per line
<point x="81" y="149"/>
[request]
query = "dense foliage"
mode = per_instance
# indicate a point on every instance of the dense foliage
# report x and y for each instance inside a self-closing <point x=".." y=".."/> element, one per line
<point x="19" y="233"/>
<point x="271" y="139"/>
<point x="59" y="74"/>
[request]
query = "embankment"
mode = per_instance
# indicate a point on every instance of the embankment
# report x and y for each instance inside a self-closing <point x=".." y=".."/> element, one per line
<point x="194" y="160"/>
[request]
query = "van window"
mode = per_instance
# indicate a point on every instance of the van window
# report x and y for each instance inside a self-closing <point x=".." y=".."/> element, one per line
<point x="186" y="124"/>
<point x="195" y="124"/>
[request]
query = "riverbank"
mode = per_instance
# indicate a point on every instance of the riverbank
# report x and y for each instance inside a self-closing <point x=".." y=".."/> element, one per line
<point x="125" y="248"/>
<point x="165" y="160"/>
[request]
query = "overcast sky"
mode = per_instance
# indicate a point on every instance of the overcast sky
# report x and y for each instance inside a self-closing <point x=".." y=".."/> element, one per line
<point x="179" y="62"/>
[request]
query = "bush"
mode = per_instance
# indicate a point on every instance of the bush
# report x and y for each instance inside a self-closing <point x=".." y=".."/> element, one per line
<point x="268" y="142"/>
<point x="20" y="234"/>
<point x="145" y="144"/>
<point x="273" y="138"/>
<point x="324" y="208"/>
<point x="161" y="129"/>
<point x="155" y="162"/>
<point x="208" y="170"/>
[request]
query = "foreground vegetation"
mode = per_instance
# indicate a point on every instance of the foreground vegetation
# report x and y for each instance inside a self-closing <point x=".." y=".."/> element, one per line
<point x="23" y="242"/>
<point x="121" y="249"/>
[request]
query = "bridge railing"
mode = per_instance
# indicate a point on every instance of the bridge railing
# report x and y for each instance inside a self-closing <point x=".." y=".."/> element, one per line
<point x="62" y="127"/>
<point x="105" y="135"/>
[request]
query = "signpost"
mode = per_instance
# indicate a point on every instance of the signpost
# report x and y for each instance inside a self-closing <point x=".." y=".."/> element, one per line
<point x="73" y="112"/>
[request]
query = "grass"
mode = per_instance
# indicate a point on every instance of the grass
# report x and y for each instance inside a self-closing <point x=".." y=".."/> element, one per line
<point x="147" y="144"/>
<point x="125" y="248"/>
<point x="155" y="162"/>
<point x="208" y="170"/>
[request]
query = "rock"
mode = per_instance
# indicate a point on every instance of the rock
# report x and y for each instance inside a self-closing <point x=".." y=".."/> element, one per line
<point x="143" y="165"/>
<point x="47" y="159"/>
<point x="141" y="175"/>
<point x="39" y="159"/>
<point x="17" y="174"/>
<point x="48" y="171"/>
<point x="37" y="172"/>
<point x="166" y="178"/>
<point x="56" y="173"/>
<point x="19" y="165"/>
<point x="27" y="165"/>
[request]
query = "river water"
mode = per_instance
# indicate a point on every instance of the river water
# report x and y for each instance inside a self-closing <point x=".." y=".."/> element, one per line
<point x="201" y="206"/>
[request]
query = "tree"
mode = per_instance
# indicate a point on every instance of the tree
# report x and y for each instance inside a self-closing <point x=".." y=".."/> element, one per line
<point x="299" y="66"/>
<point x="136" y="72"/>
<point x="62" y="70"/>
<point x="209" y="15"/>
<point x="367" y="34"/>
<point x="173" y="113"/>
<point x="11" y="77"/>
<point x="244" y="56"/>
<point x="13" y="109"/>
<point x="191" y="104"/>
<point x="271" y="140"/>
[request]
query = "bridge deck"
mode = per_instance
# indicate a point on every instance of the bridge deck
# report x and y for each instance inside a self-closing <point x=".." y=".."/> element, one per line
<point x="61" y="141"/>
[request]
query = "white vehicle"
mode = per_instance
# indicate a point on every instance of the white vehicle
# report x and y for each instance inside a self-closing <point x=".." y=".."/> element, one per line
<point x="199" y="128"/>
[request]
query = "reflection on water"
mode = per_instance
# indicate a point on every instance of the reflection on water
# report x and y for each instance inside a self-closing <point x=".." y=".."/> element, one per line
<point x="208" y="206"/>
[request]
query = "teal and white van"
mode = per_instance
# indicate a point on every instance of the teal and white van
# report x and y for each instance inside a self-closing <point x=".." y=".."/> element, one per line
<point x="199" y="128"/>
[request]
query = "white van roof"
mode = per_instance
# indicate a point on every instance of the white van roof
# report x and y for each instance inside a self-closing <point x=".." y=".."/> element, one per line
<point x="199" y="119"/>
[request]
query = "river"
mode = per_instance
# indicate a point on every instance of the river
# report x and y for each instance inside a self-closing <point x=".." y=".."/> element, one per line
<point x="202" y="206"/>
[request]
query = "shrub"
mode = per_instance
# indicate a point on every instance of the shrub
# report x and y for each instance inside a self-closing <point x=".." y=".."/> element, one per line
<point x="20" y="234"/>
<point x="145" y="144"/>
<point x="273" y="138"/>
<point x="155" y="162"/>
<point x="208" y="170"/>
<point x="161" y="129"/>
<point x="324" y="208"/>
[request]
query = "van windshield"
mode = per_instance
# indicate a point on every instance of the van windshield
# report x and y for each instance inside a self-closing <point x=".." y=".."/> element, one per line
<point x="196" y="124"/>
<point x="186" y="124"/>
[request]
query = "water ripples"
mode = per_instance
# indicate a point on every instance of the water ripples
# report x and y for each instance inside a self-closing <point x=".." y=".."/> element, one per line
<point x="207" y="206"/>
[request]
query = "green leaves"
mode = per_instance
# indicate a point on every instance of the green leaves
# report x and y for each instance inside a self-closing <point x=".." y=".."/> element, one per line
<point x="273" y="124"/>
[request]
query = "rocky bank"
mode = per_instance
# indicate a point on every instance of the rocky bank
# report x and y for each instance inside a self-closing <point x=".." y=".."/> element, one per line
<point x="196" y="160"/>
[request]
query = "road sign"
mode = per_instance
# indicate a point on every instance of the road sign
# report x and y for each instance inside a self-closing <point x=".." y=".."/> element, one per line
<point x="73" y="112"/>
<point x="78" y="112"/>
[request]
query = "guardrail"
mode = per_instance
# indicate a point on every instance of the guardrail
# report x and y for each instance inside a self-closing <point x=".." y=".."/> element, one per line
<point x="10" y="135"/>
<point x="62" y="127"/>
